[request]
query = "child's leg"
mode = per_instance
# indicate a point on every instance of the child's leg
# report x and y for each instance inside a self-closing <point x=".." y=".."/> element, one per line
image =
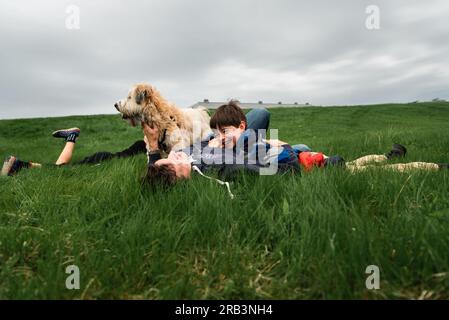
<point x="70" y="136"/>
<point x="401" y="167"/>
<point x="397" y="151"/>
<point x="66" y="155"/>
<point x="370" y="159"/>
<point x="362" y="163"/>
<point x="12" y="165"/>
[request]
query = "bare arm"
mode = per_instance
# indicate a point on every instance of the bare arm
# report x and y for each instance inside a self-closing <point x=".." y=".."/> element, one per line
<point x="151" y="138"/>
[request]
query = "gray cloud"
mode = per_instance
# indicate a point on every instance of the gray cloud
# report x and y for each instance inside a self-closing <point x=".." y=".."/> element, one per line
<point x="288" y="50"/>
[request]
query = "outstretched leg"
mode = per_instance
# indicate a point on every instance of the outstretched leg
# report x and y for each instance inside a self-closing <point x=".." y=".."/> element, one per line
<point x="398" y="151"/>
<point x="13" y="165"/>
<point x="70" y="136"/>
<point x="366" y="160"/>
<point x="66" y="155"/>
<point x="401" y="167"/>
<point x="139" y="147"/>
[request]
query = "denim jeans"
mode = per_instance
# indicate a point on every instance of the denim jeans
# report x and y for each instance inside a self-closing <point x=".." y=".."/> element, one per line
<point x="260" y="119"/>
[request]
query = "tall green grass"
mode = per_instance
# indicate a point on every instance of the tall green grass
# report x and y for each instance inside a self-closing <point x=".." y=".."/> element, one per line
<point x="283" y="237"/>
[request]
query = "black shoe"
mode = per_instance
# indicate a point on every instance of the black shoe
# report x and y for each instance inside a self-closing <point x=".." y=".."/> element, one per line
<point x="67" y="133"/>
<point x="335" y="161"/>
<point x="398" y="151"/>
<point x="443" y="166"/>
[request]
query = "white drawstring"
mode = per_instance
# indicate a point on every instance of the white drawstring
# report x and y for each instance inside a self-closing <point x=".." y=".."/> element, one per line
<point x="217" y="180"/>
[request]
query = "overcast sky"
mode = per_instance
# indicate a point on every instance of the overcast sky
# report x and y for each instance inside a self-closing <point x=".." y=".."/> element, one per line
<point x="279" y="50"/>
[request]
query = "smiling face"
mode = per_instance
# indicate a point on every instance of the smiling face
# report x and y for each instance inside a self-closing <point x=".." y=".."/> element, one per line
<point x="178" y="162"/>
<point x="228" y="122"/>
<point x="131" y="106"/>
<point x="229" y="135"/>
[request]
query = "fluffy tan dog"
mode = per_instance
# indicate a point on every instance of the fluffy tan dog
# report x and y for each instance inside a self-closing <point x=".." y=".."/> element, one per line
<point x="178" y="128"/>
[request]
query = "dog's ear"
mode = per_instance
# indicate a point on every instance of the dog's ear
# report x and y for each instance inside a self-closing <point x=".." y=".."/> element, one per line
<point x="142" y="94"/>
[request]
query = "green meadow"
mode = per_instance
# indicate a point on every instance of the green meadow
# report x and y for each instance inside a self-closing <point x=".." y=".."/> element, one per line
<point x="308" y="236"/>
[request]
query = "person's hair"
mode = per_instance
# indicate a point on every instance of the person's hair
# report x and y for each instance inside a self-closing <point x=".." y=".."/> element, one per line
<point x="229" y="114"/>
<point x="159" y="176"/>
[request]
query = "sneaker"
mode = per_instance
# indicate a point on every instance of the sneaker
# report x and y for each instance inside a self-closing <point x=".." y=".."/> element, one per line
<point x="66" y="133"/>
<point x="443" y="166"/>
<point x="336" y="160"/>
<point x="13" y="165"/>
<point x="398" y="151"/>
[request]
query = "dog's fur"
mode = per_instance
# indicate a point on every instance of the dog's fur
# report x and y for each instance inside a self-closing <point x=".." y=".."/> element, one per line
<point x="178" y="128"/>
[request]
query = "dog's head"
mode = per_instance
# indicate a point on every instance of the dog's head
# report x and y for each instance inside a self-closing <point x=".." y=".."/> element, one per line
<point x="131" y="107"/>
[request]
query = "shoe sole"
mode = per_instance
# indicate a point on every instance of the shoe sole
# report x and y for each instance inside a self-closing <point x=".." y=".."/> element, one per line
<point x="7" y="166"/>
<point x="57" y="132"/>
<point x="401" y="147"/>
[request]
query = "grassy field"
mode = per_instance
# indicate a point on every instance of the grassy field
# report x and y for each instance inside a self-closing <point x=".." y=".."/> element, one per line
<point x="283" y="237"/>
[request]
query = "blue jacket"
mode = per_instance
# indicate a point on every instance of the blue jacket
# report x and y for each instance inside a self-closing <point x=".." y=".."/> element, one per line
<point x="250" y="158"/>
